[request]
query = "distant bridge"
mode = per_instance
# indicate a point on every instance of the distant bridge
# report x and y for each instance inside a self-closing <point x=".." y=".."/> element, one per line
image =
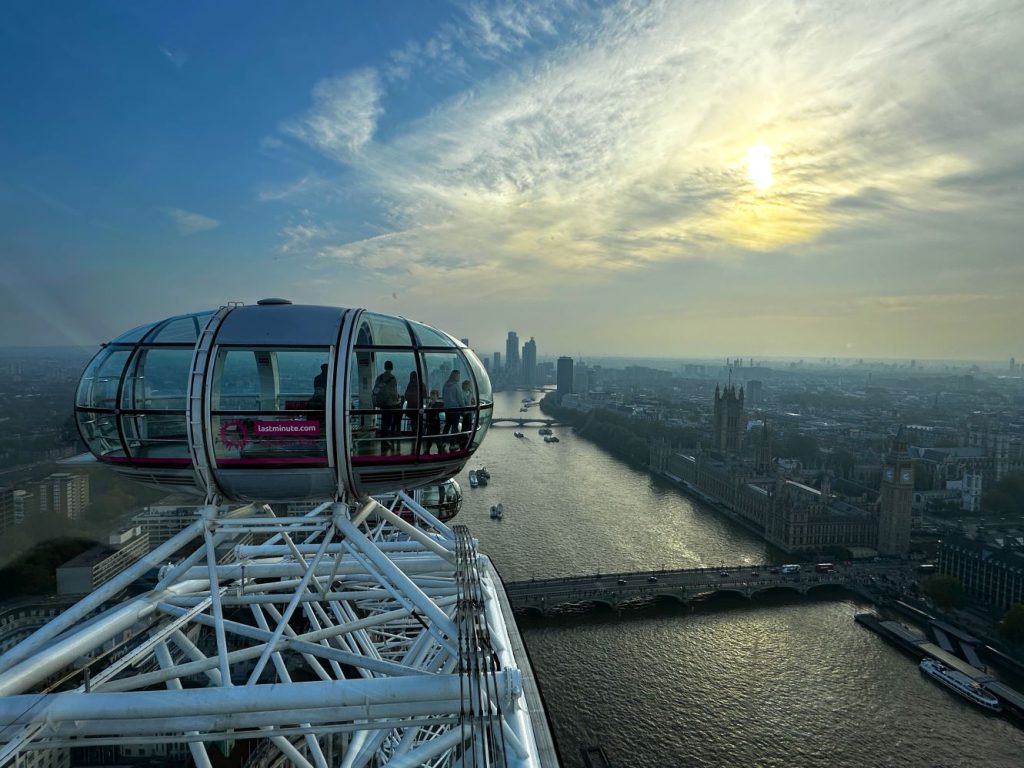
<point x="684" y="585"/>
<point x="538" y="421"/>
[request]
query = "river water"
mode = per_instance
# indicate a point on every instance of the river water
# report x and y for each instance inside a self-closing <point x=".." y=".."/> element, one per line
<point x="783" y="681"/>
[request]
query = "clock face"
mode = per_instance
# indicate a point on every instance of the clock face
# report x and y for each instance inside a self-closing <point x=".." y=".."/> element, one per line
<point x="888" y="474"/>
<point x="905" y="475"/>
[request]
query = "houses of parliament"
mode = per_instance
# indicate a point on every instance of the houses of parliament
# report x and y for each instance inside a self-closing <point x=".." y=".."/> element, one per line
<point x="790" y="510"/>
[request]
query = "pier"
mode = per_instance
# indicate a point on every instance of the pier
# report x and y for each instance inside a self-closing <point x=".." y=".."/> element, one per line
<point x="921" y="647"/>
<point x="684" y="585"/>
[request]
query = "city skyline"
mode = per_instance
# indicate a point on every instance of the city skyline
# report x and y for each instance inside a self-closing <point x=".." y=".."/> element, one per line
<point x="642" y="179"/>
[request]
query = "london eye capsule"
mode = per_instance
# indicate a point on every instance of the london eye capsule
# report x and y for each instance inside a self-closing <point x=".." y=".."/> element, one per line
<point x="277" y="401"/>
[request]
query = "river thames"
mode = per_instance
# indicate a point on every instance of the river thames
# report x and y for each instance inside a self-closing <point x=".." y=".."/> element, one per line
<point x="783" y="681"/>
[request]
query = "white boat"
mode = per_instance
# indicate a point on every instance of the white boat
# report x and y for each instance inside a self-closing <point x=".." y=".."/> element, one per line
<point x="519" y="434"/>
<point x="497" y="511"/>
<point x="960" y="683"/>
<point x="474" y="481"/>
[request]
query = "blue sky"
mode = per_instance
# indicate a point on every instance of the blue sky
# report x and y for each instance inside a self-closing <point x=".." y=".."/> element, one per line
<point x="627" y="178"/>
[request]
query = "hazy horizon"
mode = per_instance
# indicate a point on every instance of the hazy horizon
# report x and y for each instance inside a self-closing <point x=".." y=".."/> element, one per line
<point x="646" y="179"/>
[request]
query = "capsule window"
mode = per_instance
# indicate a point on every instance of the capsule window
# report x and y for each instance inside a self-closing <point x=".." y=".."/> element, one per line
<point x="269" y="407"/>
<point x="429" y="337"/>
<point x="382" y="331"/>
<point x="157" y="380"/>
<point x="452" y="411"/>
<point x="99" y="430"/>
<point x="98" y="387"/>
<point x="386" y="398"/>
<point x="180" y="330"/>
<point x="156" y="437"/>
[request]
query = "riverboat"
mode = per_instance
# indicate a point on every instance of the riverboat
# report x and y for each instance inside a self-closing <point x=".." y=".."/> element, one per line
<point x="474" y="480"/>
<point x="497" y="511"/>
<point x="960" y="684"/>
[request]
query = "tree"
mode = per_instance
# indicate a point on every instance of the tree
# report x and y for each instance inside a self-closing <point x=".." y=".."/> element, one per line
<point x="1012" y="625"/>
<point x="797" y="446"/>
<point x="945" y="591"/>
<point x="1006" y="496"/>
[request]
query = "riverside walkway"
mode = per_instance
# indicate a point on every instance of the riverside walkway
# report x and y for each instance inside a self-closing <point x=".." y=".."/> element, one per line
<point x="686" y="584"/>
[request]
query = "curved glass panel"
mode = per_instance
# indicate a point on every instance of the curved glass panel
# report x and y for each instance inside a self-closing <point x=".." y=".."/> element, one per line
<point x="483" y="381"/>
<point x="156" y="436"/>
<point x="382" y="331"/>
<point x="275" y="403"/>
<point x="180" y="330"/>
<point x="485" y="423"/>
<point x="385" y="399"/>
<point x="452" y="399"/>
<point x="98" y="387"/>
<point x="99" y="430"/>
<point x="429" y="337"/>
<point x="268" y="440"/>
<point x="134" y="335"/>
<point x="157" y="380"/>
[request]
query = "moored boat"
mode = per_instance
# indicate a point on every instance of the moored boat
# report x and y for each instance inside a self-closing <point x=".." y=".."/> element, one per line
<point x="497" y="511"/>
<point x="474" y="481"/>
<point x="960" y="684"/>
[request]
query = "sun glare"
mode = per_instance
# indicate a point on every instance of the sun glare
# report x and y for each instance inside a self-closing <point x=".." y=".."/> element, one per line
<point x="759" y="165"/>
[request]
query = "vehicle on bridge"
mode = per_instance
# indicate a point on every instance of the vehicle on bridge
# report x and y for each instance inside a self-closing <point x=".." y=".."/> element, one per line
<point x="792" y="568"/>
<point x="825" y="568"/>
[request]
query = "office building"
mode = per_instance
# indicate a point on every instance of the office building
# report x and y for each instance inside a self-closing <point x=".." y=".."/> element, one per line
<point x="512" y="356"/>
<point x="530" y="363"/>
<point x="65" y="493"/>
<point x="564" y="380"/>
<point x="96" y="566"/>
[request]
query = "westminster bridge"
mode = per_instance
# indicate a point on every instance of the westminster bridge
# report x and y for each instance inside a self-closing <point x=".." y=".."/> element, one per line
<point x="684" y="585"/>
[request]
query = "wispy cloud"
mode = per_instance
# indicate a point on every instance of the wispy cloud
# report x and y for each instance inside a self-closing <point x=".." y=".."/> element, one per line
<point x="177" y="57"/>
<point x="292" y="189"/>
<point x="343" y="117"/>
<point x="189" y="222"/>
<point x="622" y="142"/>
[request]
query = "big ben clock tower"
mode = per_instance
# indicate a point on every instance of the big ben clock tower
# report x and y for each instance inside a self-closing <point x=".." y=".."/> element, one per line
<point x="895" y="499"/>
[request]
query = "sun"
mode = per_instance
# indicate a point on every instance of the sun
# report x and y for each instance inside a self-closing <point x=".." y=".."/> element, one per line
<point x="759" y="165"/>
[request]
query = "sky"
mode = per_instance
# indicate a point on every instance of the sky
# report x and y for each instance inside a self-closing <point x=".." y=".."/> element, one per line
<point x="622" y="178"/>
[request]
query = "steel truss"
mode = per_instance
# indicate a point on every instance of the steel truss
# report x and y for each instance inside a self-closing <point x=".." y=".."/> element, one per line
<point x="345" y="637"/>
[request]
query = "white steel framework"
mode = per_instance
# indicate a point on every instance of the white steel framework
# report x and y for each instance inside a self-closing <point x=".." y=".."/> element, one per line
<point x="346" y="637"/>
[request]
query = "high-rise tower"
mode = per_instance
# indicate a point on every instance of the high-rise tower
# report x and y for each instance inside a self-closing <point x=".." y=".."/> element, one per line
<point x="530" y="362"/>
<point x="727" y="427"/>
<point x="564" y="377"/>
<point x="894" y="503"/>
<point x="512" y="356"/>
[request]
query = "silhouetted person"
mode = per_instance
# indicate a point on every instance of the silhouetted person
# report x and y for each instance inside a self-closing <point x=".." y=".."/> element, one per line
<point x="452" y="396"/>
<point x="432" y="426"/>
<point x="319" y="388"/>
<point x="385" y="397"/>
<point x="467" y="417"/>
<point x="413" y="401"/>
